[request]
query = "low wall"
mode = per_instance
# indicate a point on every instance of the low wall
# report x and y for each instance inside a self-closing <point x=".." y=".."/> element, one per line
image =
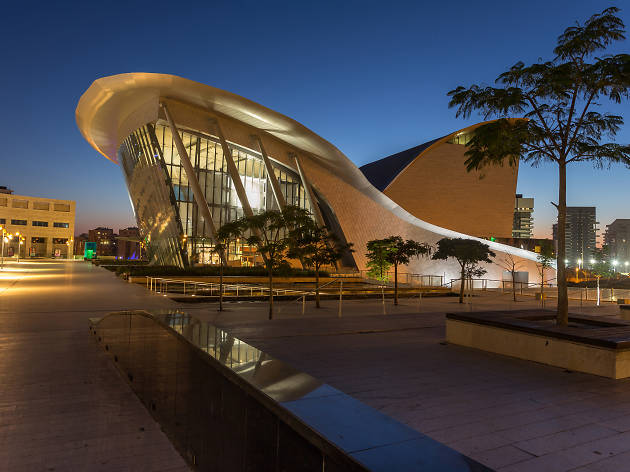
<point x="581" y="357"/>
<point x="228" y="406"/>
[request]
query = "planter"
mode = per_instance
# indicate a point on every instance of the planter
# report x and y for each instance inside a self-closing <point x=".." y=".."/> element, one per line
<point x="593" y="345"/>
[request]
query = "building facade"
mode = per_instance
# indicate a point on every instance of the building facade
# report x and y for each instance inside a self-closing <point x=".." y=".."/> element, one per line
<point x="46" y="225"/>
<point x="580" y="235"/>
<point x="195" y="157"/>
<point x="128" y="244"/>
<point x="617" y="238"/>
<point x="523" y="225"/>
<point x="105" y="240"/>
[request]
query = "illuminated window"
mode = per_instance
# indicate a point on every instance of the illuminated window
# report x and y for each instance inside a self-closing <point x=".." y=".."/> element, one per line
<point x="40" y="223"/>
<point x="18" y="222"/>
<point x="61" y="225"/>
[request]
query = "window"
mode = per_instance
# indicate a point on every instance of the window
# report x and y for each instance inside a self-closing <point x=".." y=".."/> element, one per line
<point x="3" y="201"/>
<point x="3" y="221"/>
<point x="20" y="203"/>
<point x="38" y="240"/>
<point x="41" y="206"/>
<point x="18" y="222"/>
<point x="60" y="240"/>
<point x="61" y="225"/>
<point x="61" y="207"/>
<point x="40" y="223"/>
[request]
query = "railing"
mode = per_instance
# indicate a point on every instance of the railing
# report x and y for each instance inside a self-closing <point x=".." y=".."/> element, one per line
<point x="418" y="280"/>
<point x="228" y="406"/>
<point x="193" y="288"/>
<point x="549" y="290"/>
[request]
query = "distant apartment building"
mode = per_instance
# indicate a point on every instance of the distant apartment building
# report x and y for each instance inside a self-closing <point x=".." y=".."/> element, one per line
<point x="46" y="225"/>
<point x="79" y="243"/>
<point x="105" y="240"/>
<point x="128" y="244"/>
<point x="523" y="226"/>
<point x="617" y="238"/>
<point x="581" y="234"/>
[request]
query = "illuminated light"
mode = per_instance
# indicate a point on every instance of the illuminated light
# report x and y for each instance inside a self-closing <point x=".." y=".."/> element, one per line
<point x="566" y="261"/>
<point x="615" y="262"/>
<point x="593" y="261"/>
<point x="579" y="261"/>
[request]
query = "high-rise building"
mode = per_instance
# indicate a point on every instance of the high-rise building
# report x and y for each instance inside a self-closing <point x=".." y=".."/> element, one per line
<point x="105" y="241"/>
<point x="45" y="225"/>
<point x="581" y="234"/>
<point x="523" y="226"/>
<point x="617" y="238"/>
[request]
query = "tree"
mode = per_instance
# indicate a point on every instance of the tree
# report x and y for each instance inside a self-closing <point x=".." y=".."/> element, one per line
<point x="226" y="235"/>
<point x="269" y="232"/>
<point x="512" y="265"/>
<point x="545" y="261"/>
<point x="556" y="101"/>
<point x="378" y="260"/>
<point x="399" y="251"/>
<point x="468" y="253"/>
<point x="316" y="247"/>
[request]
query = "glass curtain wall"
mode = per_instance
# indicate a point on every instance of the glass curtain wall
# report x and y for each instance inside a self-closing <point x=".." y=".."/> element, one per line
<point x="152" y="146"/>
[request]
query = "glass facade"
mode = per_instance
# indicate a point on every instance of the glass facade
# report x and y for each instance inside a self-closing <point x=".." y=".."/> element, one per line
<point x="166" y="211"/>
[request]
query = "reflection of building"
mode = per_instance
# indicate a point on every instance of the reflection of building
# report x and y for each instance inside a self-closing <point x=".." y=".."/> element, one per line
<point x="45" y="224"/>
<point x="104" y="239"/>
<point x="128" y="243"/>
<point x="581" y="234"/>
<point x="195" y="157"/>
<point x="617" y="238"/>
<point x="431" y="182"/>
<point x="523" y="225"/>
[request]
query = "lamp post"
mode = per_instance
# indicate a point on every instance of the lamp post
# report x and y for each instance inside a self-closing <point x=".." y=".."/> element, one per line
<point x="4" y="239"/>
<point x="20" y="241"/>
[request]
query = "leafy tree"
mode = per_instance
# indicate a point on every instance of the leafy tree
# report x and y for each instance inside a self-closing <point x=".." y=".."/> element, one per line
<point x="400" y="252"/>
<point x="316" y="247"/>
<point x="378" y="259"/>
<point x="545" y="261"/>
<point x="559" y="124"/>
<point x="468" y="253"/>
<point x="226" y="235"/>
<point x="269" y="232"/>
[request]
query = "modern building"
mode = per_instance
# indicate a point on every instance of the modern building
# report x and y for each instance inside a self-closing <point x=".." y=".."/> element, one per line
<point x="580" y="236"/>
<point x="536" y="245"/>
<point x="128" y="244"/>
<point x="523" y="225"/>
<point x="195" y="157"/>
<point x="431" y="182"/>
<point x="46" y="225"/>
<point x="617" y="238"/>
<point x="105" y="240"/>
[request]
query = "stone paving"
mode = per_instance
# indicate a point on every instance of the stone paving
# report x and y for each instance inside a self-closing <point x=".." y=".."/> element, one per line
<point x="63" y="405"/>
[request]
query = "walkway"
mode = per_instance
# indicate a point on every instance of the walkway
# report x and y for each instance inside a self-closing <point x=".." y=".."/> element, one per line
<point x="63" y="405"/>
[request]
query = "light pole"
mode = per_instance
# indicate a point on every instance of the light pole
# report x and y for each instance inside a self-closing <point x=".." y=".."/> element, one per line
<point x="4" y="239"/>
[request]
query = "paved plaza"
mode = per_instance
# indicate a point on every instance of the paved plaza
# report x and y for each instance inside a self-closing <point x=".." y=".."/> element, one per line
<point x="63" y="405"/>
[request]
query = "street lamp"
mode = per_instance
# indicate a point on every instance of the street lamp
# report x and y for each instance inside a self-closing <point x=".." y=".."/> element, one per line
<point x="614" y="263"/>
<point x="3" y="235"/>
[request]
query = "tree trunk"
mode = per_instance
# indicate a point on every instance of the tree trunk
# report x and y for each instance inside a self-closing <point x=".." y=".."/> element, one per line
<point x="316" y="287"/>
<point x="514" y="284"/>
<point x="270" y="292"/>
<point x="563" y="298"/>
<point x="395" y="284"/>
<point x="461" y="286"/>
<point x="220" y="287"/>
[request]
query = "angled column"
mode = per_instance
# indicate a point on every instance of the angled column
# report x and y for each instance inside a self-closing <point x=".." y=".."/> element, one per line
<point x="308" y="189"/>
<point x="233" y="170"/>
<point x="271" y="175"/>
<point x="190" y="173"/>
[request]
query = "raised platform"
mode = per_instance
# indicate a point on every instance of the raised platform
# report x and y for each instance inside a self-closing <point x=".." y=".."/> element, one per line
<point x="595" y="345"/>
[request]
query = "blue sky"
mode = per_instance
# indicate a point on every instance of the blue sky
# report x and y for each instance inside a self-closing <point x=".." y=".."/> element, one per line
<point x="371" y="77"/>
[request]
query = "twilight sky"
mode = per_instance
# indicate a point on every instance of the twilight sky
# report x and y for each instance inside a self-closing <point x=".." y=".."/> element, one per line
<point x="370" y="77"/>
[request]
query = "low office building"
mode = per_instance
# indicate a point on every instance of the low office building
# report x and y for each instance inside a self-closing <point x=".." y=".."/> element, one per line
<point x="128" y="244"/>
<point x="46" y="225"/>
<point x="195" y="157"/>
<point x="523" y="226"/>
